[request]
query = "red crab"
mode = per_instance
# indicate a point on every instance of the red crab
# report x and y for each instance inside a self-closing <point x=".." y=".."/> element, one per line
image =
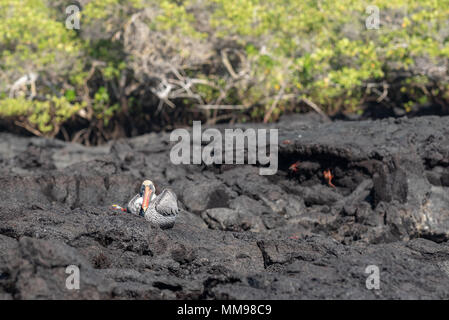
<point x="294" y="167"/>
<point x="328" y="176"/>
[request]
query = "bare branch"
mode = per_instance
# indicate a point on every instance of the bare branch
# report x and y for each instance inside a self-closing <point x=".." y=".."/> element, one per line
<point x="221" y="107"/>
<point x="315" y="107"/>
<point x="274" y="104"/>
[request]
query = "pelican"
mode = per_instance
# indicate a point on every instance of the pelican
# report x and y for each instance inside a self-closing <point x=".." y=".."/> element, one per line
<point x="159" y="210"/>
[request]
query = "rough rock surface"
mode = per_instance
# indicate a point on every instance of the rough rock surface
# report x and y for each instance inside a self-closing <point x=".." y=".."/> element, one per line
<point x="240" y="235"/>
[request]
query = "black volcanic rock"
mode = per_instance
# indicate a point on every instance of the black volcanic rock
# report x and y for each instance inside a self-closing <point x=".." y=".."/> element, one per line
<point x="239" y="235"/>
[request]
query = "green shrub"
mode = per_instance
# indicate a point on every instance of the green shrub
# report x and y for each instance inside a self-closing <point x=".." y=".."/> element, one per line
<point x="39" y="117"/>
<point x="322" y="49"/>
<point x="264" y="57"/>
<point x="31" y="40"/>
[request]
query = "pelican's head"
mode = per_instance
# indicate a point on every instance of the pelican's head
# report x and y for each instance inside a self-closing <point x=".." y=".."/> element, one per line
<point x="147" y="192"/>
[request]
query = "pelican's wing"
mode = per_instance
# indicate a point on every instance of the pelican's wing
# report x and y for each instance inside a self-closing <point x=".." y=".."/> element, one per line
<point x="166" y="203"/>
<point x="135" y="204"/>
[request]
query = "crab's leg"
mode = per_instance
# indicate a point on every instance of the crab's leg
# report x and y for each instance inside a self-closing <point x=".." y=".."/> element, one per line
<point x="117" y="207"/>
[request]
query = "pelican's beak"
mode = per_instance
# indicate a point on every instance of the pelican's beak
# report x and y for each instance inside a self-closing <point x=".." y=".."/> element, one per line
<point x="146" y="198"/>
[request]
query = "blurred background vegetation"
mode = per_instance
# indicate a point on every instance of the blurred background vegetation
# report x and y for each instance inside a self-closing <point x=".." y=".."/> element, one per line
<point x="142" y="65"/>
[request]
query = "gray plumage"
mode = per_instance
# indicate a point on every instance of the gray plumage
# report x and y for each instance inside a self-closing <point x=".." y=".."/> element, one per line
<point x="162" y="210"/>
